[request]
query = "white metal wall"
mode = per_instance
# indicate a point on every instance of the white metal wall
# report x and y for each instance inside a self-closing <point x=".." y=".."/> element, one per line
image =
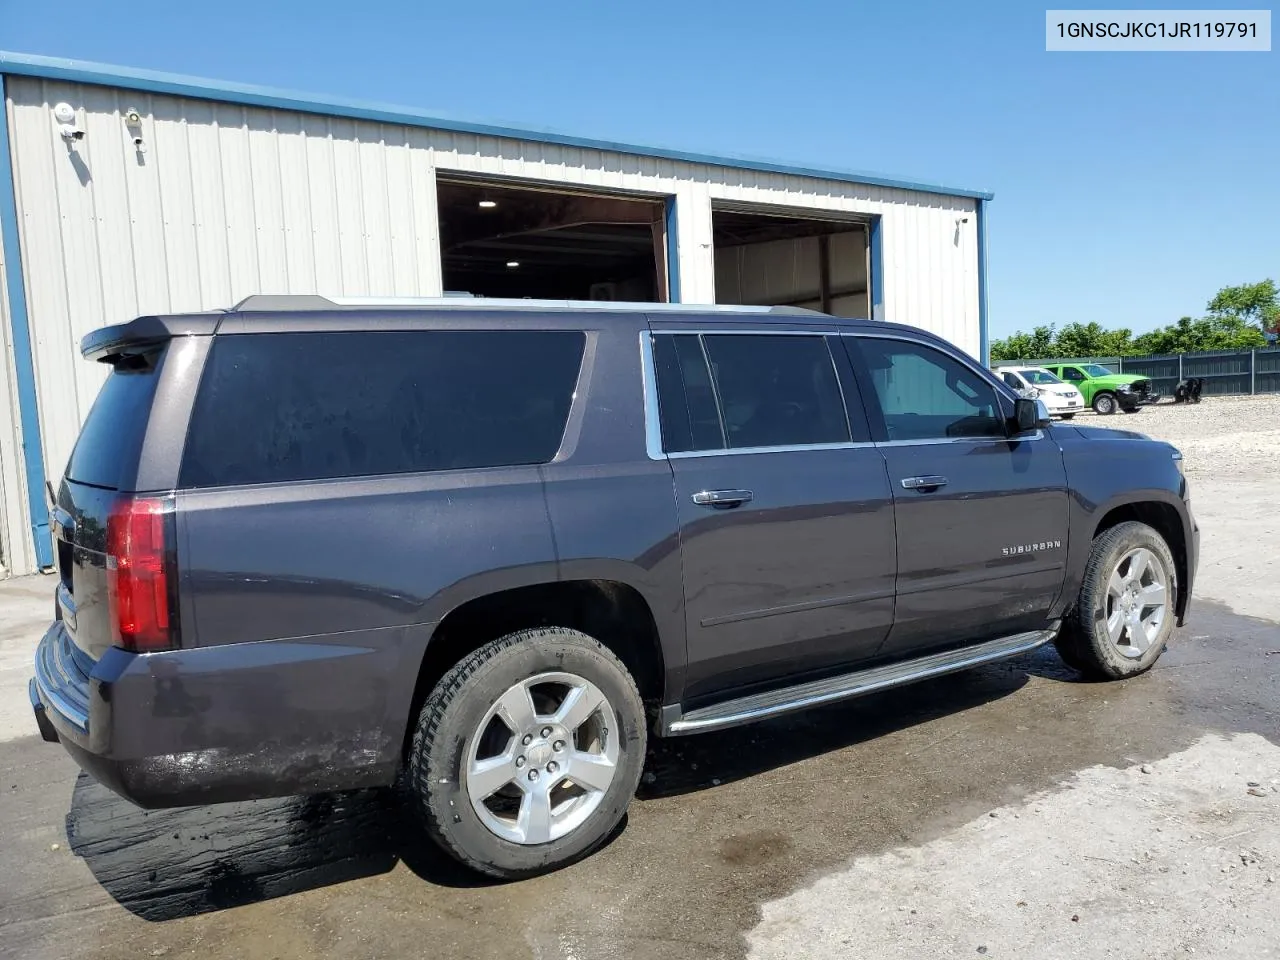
<point x="229" y="201"/>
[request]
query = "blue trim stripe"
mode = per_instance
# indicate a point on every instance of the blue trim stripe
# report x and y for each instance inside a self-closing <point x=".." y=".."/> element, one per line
<point x="673" y="252"/>
<point x="876" y="245"/>
<point x="150" y="81"/>
<point x="28" y="403"/>
<point x="984" y="341"/>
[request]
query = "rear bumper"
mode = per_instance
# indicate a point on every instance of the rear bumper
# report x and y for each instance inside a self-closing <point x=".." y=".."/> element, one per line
<point x="234" y="722"/>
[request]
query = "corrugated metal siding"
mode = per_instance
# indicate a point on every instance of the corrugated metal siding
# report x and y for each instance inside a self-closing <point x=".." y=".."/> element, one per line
<point x="229" y="201"/>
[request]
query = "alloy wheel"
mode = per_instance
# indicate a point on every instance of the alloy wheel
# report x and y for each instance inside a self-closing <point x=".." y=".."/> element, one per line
<point x="1136" y="602"/>
<point x="542" y="758"/>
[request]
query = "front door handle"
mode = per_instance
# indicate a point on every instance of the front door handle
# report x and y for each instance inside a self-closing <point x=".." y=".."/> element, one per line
<point x="924" y="483"/>
<point x="722" y="499"/>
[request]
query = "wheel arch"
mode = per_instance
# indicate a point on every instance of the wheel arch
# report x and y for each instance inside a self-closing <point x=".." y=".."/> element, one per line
<point x="1160" y="513"/>
<point x="601" y="600"/>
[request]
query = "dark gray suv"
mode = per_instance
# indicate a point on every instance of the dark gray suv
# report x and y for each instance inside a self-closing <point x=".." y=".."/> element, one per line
<point x="487" y="548"/>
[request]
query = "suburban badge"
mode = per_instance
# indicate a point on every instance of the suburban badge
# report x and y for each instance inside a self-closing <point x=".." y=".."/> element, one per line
<point x="1031" y="547"/>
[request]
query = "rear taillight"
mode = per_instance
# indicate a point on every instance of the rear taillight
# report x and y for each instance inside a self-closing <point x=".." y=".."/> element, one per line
<point x="141" y="584"/>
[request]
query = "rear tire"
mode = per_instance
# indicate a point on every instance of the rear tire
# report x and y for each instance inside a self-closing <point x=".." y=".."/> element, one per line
<point x="499" y="713"/>
<point x="1124" y="613"/>
<point x="1105" y="404"/>
<point x="1067" y="416"/>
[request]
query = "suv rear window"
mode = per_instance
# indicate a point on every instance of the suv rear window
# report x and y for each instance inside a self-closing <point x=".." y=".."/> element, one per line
<point x="312" y="406"/>
<point x="110" y="441"/>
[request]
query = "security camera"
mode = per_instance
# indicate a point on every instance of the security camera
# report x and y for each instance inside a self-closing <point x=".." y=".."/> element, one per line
<point x="963" y="220"/>
<point x="69" y="133"/>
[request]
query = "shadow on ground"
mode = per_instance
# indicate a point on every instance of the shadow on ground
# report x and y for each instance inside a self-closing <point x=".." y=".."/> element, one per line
<point x="164" y="864"/>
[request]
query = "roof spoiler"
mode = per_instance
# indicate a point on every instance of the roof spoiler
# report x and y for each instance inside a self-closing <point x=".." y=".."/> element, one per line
<point x="109" y="344"/>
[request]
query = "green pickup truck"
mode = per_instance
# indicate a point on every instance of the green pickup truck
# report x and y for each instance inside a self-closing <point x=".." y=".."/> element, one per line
<point x="1103" y="390"/>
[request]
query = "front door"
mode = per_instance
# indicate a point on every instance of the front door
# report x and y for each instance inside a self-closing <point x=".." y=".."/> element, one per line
<point x="981" y="514"/>
<point x="786" y="517"/>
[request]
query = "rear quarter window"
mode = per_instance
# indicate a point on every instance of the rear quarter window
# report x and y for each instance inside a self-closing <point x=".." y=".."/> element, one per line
<point x="310" y="406"/>
<point x="106" y="453"/>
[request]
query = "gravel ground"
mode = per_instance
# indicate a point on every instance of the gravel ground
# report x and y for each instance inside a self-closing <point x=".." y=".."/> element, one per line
<point x="1222" y="438"/>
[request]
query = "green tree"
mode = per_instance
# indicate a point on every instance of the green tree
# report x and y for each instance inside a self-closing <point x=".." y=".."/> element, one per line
<point x="1208" y="333"/>
<point x="1036" y="345"/>
<point x="1257" y="304"/>
<point x="1092" y="340"/>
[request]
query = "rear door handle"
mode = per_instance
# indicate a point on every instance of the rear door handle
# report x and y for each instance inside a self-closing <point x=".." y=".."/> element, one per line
<point x="924" y="483"/>
<point x="722" y="499"/>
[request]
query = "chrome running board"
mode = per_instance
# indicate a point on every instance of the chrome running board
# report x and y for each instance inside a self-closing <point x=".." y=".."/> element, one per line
<point x="758" y="706"/>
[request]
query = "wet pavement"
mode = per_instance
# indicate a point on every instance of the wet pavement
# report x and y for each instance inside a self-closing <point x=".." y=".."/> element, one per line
<point x="724" y="823"/>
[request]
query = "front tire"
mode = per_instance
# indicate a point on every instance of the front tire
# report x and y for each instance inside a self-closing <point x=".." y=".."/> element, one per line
<point x="1124" y="613"/>
<point x="1105" y="404"/>
<point x="528" y="752"/>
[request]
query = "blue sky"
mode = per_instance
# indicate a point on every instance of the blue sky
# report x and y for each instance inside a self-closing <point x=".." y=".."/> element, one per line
<point x="1129" y="187"/>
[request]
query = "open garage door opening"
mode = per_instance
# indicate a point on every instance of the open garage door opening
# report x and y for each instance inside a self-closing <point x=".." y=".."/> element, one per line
<point x="504" y="240"/>
<point x="795" y="261"/>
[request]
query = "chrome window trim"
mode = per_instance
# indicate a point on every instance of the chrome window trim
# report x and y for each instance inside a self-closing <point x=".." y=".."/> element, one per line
<point x="649" y="383"/>
<point x="936" y="441"/>
<point x="787" y="448"/>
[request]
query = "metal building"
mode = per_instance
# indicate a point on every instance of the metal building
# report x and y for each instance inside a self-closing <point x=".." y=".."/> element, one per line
<point x="125" y="192"/>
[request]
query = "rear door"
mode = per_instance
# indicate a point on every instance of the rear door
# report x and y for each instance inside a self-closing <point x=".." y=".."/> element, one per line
<point x="785" y="513"/>
<point x="981" y="514"/>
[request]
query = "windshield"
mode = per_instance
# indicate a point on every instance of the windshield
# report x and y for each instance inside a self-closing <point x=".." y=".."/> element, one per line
<point x="1096" y="370"/>
<point x="1040" y="376"/>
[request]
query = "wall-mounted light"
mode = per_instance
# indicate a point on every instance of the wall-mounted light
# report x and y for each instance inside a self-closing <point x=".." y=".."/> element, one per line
<point x="64" y="115"/>
<point x="487" y="204"/>
<point x="133" y="122"/>
<point x="513" y="264"/>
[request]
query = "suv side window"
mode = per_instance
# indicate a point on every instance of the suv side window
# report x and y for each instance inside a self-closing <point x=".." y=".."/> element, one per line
<point x="309" y="406"/>
<point x="776" y="390"/>
<point x="926" y="394"/>
<point x="743" y="390"/>
<point x="1013" y="380"/>
<point x="686" y="398"/>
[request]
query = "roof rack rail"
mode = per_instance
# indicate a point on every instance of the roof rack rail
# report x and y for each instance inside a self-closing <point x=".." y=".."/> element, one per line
<point x="272" y="303"/>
